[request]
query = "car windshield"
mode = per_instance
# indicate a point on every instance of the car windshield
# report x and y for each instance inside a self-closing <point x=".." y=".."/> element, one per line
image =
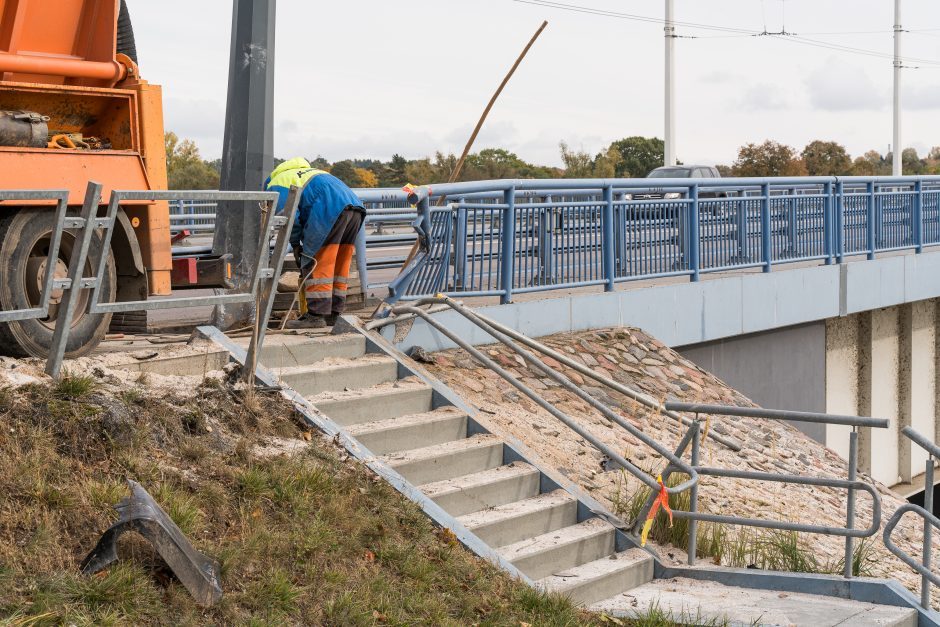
<point x="670" y="173"/>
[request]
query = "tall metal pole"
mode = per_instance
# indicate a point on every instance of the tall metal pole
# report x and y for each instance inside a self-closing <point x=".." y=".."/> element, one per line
<point x="248" y="144"/>
<point x="898" y="151"/>
<point x="670" y="131"/>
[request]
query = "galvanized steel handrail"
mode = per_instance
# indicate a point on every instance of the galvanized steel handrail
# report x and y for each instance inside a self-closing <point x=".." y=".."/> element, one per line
<point x="926" y="512"/>
<point x="778" y="414"/>
<point x="561" y="416"/>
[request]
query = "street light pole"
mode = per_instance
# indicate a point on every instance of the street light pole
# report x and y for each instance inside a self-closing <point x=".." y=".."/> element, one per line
<point x="670" y="131"/>
<point x="898" y="151"/>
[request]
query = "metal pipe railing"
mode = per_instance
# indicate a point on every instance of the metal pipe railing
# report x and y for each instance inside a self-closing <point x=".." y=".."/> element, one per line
<point x="931" y="522"/>
<point x="561" y="416"/>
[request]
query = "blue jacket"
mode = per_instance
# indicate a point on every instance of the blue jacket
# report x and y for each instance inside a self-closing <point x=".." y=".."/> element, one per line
<point x="323" y="198"/>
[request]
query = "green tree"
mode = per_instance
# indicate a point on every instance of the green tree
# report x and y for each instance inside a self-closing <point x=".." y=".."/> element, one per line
<point x="346" y="172"/>
<point x="578" y="164"/>
<point x="826" y="159"/>
<point x="394" y="175"/>
<point x="768" y="159"/>
<point x="639" y="156"/>
<point x="863" y="167"/>
<point x="185" y="168"/>
<point x="912" y="163"/>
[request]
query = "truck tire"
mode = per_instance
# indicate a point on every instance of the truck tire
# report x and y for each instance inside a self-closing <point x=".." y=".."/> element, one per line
<point x="24" y="240"/>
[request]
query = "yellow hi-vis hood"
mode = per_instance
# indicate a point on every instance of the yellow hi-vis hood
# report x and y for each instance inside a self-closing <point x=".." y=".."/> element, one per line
<point x="297" y="163"/>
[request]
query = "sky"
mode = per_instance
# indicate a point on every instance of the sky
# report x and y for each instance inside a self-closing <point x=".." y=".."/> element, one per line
<point x="371" y="78"/>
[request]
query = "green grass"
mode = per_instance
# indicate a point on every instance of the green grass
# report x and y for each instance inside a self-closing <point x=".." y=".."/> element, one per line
<point x="741" y="547"/>
<point x="308" y="539"/>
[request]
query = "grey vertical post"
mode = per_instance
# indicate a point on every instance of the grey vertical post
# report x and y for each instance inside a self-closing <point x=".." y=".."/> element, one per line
<point x="460" y="247"/>
<point x="508" y="246"/>
<point x="248" y="145"/>
<point x="60" y="337"/>
<point x="607" y="241"/>
<point x="693" y="494"/>
<point x="850" y="506"/>
<point x="766" y="228"/>
<point x="928" y="539"/>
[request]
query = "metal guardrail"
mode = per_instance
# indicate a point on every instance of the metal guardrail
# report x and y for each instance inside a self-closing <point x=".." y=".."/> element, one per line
<point x="499" y="238"/>
<point x="926" y="512"/>
<point x="692" y="437"/>
<point x="262" y="282"/>
<point x="851" y="484"/>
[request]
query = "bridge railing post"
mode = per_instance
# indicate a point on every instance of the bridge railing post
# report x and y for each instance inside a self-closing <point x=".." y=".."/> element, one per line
<point x="607" y="242"/>
<point x="838" y="211"/>
<point x="508" y="245"/>
<point x="870" y="222"/>
<point x="828" y="233"/>
<point x="917" y="217"/>
<point x="693" y="259"/>
<point x="460" y="246"/>
<point x="766" y="228"/>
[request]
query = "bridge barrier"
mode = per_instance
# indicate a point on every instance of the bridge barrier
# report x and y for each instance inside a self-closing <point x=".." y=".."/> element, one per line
<point x="926" y="512"/>
<point x="262" y="285"/>
<point x="500" y="238"/>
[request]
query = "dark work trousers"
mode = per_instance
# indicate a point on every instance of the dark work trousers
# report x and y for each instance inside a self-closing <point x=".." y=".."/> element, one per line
<point x="327" y="286"/>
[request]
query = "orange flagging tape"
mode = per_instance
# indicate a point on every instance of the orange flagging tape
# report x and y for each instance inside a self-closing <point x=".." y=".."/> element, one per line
<point x="662" y="499"/>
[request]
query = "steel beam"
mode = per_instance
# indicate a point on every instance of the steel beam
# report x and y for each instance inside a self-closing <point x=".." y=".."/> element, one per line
<point x="248" y="145"/>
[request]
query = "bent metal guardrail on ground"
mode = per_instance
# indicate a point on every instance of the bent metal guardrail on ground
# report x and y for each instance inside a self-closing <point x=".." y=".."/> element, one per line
<point x="499" y="238"/>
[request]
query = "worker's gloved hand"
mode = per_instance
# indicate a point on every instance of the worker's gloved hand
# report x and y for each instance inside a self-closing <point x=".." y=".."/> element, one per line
<point x="298" y="256"/>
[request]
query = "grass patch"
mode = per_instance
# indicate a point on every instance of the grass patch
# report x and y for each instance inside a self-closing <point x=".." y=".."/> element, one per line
<point x="305" y="539"/>
<point x="656" y="616"/>
<point x="740" y="547"/>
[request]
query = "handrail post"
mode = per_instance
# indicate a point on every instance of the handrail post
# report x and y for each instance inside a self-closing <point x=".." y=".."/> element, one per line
<point x="827" y="223"/>
<point x="917" y="217"/>
<point x="870" y="222"/>
<point x="850" y="505"/>
<point x="928" y="539"/>
<point x="508" y="245"/>
<point x="765" y="226"/>
<point x="693" y="494"/>
<point x="839" y="211"/>
<point x="694" y="260"/>
<point x="460" y="252"/>
<point x="607" y="241"/>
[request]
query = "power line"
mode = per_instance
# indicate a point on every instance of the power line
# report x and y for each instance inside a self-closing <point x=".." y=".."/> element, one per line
<point x="730" y="32"/>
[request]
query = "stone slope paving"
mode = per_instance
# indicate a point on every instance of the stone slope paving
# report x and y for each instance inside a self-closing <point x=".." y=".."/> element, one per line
<point x="633" y="358"/>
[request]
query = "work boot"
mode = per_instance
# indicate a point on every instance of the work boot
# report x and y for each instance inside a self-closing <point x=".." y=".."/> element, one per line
<point x="331" y="319"/>
<point x="307" y="321"/>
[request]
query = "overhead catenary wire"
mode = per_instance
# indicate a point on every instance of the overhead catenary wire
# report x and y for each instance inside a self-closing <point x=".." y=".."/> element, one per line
<point x="729" y="31"/>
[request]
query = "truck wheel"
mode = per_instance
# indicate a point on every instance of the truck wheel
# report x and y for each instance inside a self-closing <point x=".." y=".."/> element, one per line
<point x="25" y="237"/>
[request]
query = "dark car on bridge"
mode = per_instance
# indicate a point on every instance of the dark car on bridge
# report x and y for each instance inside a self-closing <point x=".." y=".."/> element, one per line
<point x="679" y="172"/>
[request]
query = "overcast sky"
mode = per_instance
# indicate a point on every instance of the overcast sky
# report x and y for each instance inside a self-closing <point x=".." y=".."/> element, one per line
<point x="369" y="78"/>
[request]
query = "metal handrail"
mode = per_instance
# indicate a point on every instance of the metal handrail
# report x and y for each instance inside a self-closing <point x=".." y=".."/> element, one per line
<point x="927" y="577"/>
<point x="561" y="416"/>
<point x="778" y="414"/>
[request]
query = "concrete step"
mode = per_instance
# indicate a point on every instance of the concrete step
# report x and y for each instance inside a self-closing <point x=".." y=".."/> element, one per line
<point x="389" y="400"/>
<point x="490" y="488"/>
<point x="602" y="578"/>
<point x="448" y="460"/>
<point x="687" y="600"/>
<point x="557" y="551"/>
<point x="444" y="424"/>
<point x="286" y="351"/>
<point x="528" y="518"/>
<point x="338" y="373"/>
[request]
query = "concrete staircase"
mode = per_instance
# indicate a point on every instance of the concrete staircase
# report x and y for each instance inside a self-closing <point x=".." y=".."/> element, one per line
<point x="413" y="431"/>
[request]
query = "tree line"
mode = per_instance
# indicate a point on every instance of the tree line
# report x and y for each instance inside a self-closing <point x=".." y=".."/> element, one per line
<point x="625" y="158"/>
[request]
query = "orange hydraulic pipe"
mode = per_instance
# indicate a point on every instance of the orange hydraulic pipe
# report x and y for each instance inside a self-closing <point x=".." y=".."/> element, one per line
<point x="69" y="68"/>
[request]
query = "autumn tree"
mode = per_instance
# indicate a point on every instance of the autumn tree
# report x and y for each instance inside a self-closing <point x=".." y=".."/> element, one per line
<point x="185" y="167"/>
<point x="346" y="172"/>
<point x="826" y="159"/>
<point x="768" y="159"/>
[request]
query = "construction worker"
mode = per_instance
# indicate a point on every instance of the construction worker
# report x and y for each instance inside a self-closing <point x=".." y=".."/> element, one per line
<point x="329" y="217"/>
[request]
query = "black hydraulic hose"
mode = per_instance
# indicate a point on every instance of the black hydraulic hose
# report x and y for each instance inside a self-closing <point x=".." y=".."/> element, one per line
<point x="126" y="44"/>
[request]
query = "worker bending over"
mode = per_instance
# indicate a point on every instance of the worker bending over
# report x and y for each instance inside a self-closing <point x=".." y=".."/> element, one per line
<point x="329" y="217"/>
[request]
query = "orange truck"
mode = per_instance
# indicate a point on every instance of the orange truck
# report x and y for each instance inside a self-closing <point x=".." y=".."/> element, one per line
<point x="74" y="108"/>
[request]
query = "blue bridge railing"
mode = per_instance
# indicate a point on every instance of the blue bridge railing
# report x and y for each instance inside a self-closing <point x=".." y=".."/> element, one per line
<point x="505" y="237"/>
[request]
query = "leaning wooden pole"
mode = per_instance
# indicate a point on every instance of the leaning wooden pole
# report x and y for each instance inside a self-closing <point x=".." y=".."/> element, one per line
<point x="476" y="131"/>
